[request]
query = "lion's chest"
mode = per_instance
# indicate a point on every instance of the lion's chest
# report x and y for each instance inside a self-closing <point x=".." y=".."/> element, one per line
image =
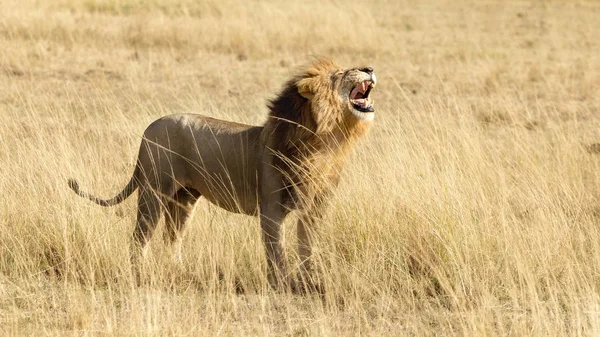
<point x="309" y="180"/>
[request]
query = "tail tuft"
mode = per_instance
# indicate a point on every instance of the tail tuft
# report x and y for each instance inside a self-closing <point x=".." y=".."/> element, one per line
<point x="74" y="185"/>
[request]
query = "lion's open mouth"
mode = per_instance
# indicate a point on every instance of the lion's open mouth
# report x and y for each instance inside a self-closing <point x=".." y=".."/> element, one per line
<point x="359" y="97"/>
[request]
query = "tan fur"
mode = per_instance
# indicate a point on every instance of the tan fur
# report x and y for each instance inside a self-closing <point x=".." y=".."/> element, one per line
<point x="288" y="164"/>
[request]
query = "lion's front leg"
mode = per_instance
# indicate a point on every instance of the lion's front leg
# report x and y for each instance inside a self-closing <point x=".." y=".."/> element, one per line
<point x="271" y="220"/>
<point x="305" y="237"/>
<point x="306" y="227"/>
<point x="312" y="212"/>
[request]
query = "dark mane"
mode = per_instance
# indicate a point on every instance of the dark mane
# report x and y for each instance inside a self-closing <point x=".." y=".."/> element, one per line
<point x="290" y="114"/>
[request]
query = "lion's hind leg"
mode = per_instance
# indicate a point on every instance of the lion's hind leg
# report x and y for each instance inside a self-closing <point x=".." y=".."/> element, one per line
<point x="177" y="212"/>
<point x="148" y="215"/>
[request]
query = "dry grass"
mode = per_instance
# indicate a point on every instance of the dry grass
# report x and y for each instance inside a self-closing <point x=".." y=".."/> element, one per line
<point x="472" y="208"/>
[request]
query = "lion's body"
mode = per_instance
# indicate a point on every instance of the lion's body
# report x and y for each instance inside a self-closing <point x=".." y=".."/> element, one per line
<point x="290" y="163"/>
<point x="218" y="159"/>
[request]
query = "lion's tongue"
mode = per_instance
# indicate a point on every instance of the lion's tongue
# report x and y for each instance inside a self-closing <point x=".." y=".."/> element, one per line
<point x="362" y="102"/>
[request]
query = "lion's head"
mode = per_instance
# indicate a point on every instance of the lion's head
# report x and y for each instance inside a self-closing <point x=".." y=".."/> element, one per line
<point x="325" y="96"/>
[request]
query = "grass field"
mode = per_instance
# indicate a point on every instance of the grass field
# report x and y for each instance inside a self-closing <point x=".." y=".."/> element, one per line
<point x="471" y="208"/>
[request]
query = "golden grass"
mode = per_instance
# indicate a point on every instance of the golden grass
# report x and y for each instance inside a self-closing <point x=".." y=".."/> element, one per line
<point x="471" y="208"/>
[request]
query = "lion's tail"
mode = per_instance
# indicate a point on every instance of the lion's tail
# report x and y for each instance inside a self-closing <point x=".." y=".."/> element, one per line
<point x="124" y="194"/>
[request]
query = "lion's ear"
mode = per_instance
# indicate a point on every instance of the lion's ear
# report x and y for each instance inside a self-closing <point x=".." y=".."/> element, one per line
<point x="306" y="88"/>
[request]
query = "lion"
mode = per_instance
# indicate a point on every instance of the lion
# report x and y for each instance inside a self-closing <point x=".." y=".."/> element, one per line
<point x="291" y="163"/>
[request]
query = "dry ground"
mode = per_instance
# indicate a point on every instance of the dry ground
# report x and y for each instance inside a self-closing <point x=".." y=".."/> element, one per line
<point x="471" y="208"/>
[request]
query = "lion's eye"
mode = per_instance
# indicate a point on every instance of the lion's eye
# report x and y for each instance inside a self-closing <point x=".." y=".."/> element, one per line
<point x="335" y="76"/>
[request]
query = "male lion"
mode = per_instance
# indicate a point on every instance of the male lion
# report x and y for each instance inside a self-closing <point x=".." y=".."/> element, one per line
<point x="289" y="163"/>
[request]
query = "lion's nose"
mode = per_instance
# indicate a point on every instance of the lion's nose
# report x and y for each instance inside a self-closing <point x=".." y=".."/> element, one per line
<point x="367" y="70"/>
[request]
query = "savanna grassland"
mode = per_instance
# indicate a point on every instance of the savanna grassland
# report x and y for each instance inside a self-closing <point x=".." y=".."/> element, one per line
<point x="471" y="208"/>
